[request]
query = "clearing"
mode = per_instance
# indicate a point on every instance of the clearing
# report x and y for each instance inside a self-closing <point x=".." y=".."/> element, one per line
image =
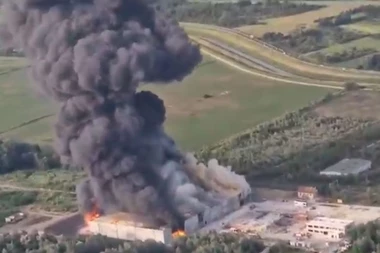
<point x="214" y="95"/>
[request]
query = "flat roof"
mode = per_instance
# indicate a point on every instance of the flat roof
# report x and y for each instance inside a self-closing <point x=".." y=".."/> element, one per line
<point x="324" y="221"/>
<point x="129" y="219"/>
<point x="348" y="166"/>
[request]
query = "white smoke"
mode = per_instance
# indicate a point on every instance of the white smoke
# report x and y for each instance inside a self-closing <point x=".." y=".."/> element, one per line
<point x="217" y="178"/>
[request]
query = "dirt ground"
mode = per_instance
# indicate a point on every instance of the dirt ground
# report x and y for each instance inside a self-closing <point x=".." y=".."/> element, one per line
<point x="67" y="226"/>
<point x="28" y="223"/>
<point x="273" y="194"/>
<point x="356" y="104"/>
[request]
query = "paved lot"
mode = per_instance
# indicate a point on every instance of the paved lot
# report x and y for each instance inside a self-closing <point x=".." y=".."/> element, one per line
<point x="274" y="220"/>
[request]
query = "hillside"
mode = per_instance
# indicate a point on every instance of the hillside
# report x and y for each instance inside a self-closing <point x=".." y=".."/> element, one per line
<point x="292" y="149"/>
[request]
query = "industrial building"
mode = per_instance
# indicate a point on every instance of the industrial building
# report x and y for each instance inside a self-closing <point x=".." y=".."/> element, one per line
<point x="347" y="167"/>
<point x="126" y="226"/>
<point x="196" y="221"/>
<point x="307" y="192"/>
<point x="130" y="227"/>
<point x="328" y="228"/>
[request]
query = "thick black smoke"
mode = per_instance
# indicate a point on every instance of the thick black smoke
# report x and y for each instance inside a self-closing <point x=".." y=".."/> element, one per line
<point x="91" y="56"/>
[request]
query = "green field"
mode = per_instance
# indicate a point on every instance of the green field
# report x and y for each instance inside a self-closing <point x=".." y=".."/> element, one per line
<point x="362" y="43"/>
<point x="354" y="63"/>
<point x="238" y="101"/>
<point x="365" y="27"/>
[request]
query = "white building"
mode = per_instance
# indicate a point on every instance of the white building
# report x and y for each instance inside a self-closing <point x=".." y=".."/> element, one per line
<point x="328" y="228"/>
<point x="130" y="227"/>
<point x="347" y="167"/>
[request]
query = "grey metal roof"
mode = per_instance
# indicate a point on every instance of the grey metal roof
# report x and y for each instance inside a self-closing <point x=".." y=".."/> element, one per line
<point x="348" y="166"/>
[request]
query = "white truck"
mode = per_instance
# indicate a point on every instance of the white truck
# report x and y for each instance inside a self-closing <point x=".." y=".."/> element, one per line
<point x="14" y="218"/>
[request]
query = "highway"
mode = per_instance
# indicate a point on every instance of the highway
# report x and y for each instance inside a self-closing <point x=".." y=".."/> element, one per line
<point x="259" y="63"/>
<point x="251" y="72"/>
<point x="220" y="38"/>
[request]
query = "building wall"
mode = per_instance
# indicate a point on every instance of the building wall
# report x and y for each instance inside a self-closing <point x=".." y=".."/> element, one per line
<point x="130" y="233"/>
<point x="191" y="224"/>
<point x="212" y="214"/>
<point x="330" y="173"/>
<point x="326" y="229"/>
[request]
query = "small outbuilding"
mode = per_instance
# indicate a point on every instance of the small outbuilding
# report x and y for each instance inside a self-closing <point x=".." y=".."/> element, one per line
<point x="347" y="167"/>
<point x="307" y="192"/>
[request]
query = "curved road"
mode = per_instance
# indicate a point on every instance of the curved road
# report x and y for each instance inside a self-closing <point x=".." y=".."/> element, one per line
<point x="251" y="72"/>
<point x="283" y="58"/>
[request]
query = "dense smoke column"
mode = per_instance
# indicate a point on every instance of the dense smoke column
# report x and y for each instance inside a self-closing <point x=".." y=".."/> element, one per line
<point x="90" y="56"/>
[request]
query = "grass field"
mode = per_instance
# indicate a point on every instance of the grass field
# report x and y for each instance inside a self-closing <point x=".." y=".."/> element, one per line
<point x="238" y="101"/>
<point x="19" y="103"/>
<point x="289" y="23"/>
<point x="354" y="63"/>
<point x="365" y="27"/>
<point x="57" y="179"/>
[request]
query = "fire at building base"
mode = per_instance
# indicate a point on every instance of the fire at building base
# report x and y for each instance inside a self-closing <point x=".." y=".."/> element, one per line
<point x="126" y="226"/>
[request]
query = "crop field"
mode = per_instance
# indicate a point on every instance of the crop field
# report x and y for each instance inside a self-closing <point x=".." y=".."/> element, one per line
<point x="306" y="19"/>
<point x="214" y="95"/>
<point x="364" y="27"/>
<point x="19" y="103"/>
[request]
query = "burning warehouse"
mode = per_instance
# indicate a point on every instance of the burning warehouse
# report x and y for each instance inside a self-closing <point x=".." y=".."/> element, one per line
<point x="128" y="226"/>
<point x="90" y="56"/>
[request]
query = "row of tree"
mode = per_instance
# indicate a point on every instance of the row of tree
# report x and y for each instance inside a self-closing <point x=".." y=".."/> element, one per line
<point x="213" y="242"/>
<point x="364" y="12"/>
<point x="365" y="238"/>
<point x="302" y="41"/>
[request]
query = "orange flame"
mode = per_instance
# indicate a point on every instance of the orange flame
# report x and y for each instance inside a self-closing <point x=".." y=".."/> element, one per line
<point x="90" y="216"/>
<point x="179" y="233"/>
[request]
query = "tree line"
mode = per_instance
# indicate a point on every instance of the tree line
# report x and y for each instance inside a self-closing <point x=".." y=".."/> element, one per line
<point x="365" y="238"/>
<point x="16" y="155"/>
<point x="213" y="242"/>
<point x="230" y="14"/>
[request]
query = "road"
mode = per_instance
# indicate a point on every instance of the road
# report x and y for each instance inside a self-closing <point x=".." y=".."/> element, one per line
<point x="251" y="72"/>
<point x="263" y="65"/>
<point x="22" y="188"/>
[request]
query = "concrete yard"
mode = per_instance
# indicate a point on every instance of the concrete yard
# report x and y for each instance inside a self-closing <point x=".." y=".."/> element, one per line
<point x="278" y="220"/>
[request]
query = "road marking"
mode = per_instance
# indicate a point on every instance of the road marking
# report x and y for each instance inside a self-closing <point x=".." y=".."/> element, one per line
<point x="248" y="71"/>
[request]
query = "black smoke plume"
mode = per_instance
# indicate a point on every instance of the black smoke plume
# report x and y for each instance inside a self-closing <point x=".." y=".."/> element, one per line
<point x="90" y="56"/>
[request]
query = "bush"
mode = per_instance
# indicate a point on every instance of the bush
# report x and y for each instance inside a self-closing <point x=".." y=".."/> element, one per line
<point x="350" y="86"/>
